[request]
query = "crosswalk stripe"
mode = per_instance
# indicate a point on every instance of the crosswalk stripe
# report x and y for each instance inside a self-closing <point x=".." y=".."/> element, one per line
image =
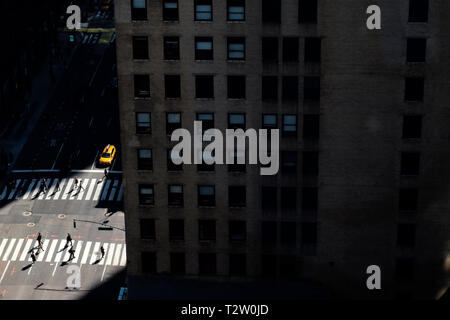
<point x="123" y="259"/>
<point x="66" y="191"/>
<point x="117" y="255"/>
<point x="42" y="253"/>
<point x="105" y="190"/>
<point x="61" y="186"/>
<point x="51" y="191"/>
<point x="83" y="189"/>
<point x="113" y="190"/>
<point x="60" y="251"/>
<point x="95" y="255"/>
<point x="98" y="190"/>
<point x="26" y="249"/>
<point x="20" y="192"/>
<point x="2" y="246"/>
<point x="36" y="189"/>
<point x="91" y="189"/>
<point x="11" y="194"/>
<point x="67" y="255"/>
<point x="42" y="194"/>
<point x="110" y="254"/>
<point x="8" y="251"/>
<point x="105" y="246"/>
<point x="16" y="251"/>
<point x="5" y="189"/>
<point x="27" y="194"/>
<point x="78" y="251"/>
<point x="51" y="250"/>
<point x="120" y="195"/>
<point x="86" y="252"/>
<point x="76" y="190"/>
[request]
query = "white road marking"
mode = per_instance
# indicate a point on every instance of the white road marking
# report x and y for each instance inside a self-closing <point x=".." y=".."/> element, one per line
<point x="105" y="246"/>
<point x="11" y="194"/>
<point x="2" y="246"/>
<point x="123" y="259"/>
<point x="95" y="252"/>
<point x="42" y="253"/>
<point x="3" y="193"/>
<point x="91" y="188"/>
<point x="51" y="190"/>
<point x="16" y="252"/>
<point x="67" y="255"/>
<point x="60" y="251"/>
<point x="4" y="272"/>
<point x="105" y="190"/>
<point x="61" y="187"/>
<point x="98" y="190"/>
<point x="26" y="249"/>
<point x="8" y="251"/>
<point x="111" y="254"/>
<point x="117" y="255"/>
<point x="47" y="183"/>
<point x="83" y="189"/>
<point x="120" y="195"/>
<point x="69" y="185"/>
<point x="113" y="190"/>
<point x="27" y="194"/>
<point x="77" y="251"/>
<point x="51" y="250"/>
<point x="86" y="252"/>
<point x="18" y="194"/>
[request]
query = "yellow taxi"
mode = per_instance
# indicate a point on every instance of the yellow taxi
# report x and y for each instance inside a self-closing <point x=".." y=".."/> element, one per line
<point x="107" y="156"/>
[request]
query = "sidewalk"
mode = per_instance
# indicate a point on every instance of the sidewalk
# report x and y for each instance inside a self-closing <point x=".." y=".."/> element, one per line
<point x="12" y="139"/>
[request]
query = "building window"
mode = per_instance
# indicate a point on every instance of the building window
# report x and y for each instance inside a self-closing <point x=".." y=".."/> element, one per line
<point x="141" y="86"/>
<point x="148" y="262"/>
<point x="177" y="263"/>
<point x="236" y="10"/>
<point x="176" y="229"/>
<point x="206" y="196"/>
<point x="288" y="161"/>
<point x="235" y="166"/>
<point x="287" y="266"/>
<point x="412" y="127"/>
<point x="407" y="199"/>
<point x="236" y="121"/>
<point x="236" y="48"/>
<point x="271" y="11"/>
<point x="146" y="195"/>
<point x="309" y="233"/>
<point x="269" y="88"/>
<point x="148" y="229"/>
<point x="410" y="163"/>
<point x="290" y="49"/>
<point x="238" y="264"/>
<point x="311" y="88"/>
<point x="269" y="232"/>
<point x="172" y="166"/>
<point x="175" y="198"/>
<point x="406" y="234"/>
<point x="269" y="121"/>
<point x="203" y="10"/>
<point x="237" y="230"/>
<point x="138" y="10"/>
<point x="204" y="167"/>
<point x="143" y="123"/>
<point x="311" y="126"/>
<point x="236" y="87"/>
<point x="310" y="163"/>
<point x="307" y="11"/>
<point x="288" y="233"/>
<point x="140" y="48"/>
<point x="236" y="196"/>
<point x="170" y="10"/>
<point x="207" y="264"/>
<point x="309" y="199"/>
<point x="418" y="11"/>
<point x="206" y="230"/>
<point x="172" y="86"/>
<point x="289" y="124"/>
<point x="173" y="121"/>
<point x="171" y="48"/>
<point x="203" y="48"/>
<point x="416" y="50"/>
<point x="204" y="87"/>
<point x="288" y="198"/>
<point x="313" y="50"/>
<point x="269" y="198"/>
<point x="270" y="50"/>
<point x="145" y="159"/>
<point x="414" y="89"/>
<point x="207" y="120"/>
<point x="404" y="269"/>
<point x="269" y="265"/>
<point x="290" y="88"/>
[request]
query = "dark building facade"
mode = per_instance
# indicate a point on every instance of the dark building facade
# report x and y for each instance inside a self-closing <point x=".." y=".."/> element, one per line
<point x="364" y="141"/>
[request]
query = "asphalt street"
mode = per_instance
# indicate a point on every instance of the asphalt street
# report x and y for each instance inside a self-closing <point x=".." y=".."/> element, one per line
<point x="79" y="121"/>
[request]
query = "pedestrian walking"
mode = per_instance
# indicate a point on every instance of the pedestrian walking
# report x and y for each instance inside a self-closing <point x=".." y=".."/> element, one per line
<point x="39" y="238"/>
<point x="57" y="185"/>
<point x="68" y="239"/>
<point x="105" y="173"/>
<point x="75" y="187"/>
<point x="102" y="250"/>
<point x="80" y="186"/>
<point x="72" y="253"/>
<point x="33" y="257"/>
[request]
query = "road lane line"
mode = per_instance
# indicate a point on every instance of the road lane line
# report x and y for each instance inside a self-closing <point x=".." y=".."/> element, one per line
<point x="26" y="249"/>
<point x="51" y="191"/>
<point x="98" y="190"/>
<point x="11" y="194"/>
<point x="113" y="190"/>
<point x="43" y="194"/>
<point x="83" y="189"/>
<point x="78" y="251"/>
<point x="105" y="190"/>
<point x="3" y="193"/>
<point x="51" y="250"/>
<point x="60" y="251"/>
<point x="27" y="194"/>
<point x="94" y="256"/>
<point x="91" y="189"/>
<point x="86" y="252"/>
<point x="61" y="187"/>
<point x="2" y="246"/>
<point x="8" y="251"/>
<point x="123" y="259"/>
<point x="105" y="246"/>
<point x="95" y="160"/>
<point x="57" y="156"/>
<point x="4" y="272"/>
<point x="16" y="251"/>
<point x="117" y="255"/>
<point x="69" y="185"/>
<point x="42" y="253"/>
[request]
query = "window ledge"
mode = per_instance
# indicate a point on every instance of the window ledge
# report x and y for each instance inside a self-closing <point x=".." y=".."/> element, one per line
<point x="141" y="60"/>
<point x="171" y="60"/>
<point x="241" y="61"/>
<point x="204" y="99"/>
<point x="236" y="21"/>
<point x="203" y="21"/>
<point x="142" y="98"/>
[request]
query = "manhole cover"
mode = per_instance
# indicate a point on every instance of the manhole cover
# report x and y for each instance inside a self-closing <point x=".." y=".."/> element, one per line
<point x="31" y="224"/>
<point x="61" y="216"/>
<point x="27" y="213"/>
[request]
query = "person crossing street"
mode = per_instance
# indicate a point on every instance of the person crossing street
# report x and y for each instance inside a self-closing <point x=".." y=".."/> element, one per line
<point x="68" y="239"/>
